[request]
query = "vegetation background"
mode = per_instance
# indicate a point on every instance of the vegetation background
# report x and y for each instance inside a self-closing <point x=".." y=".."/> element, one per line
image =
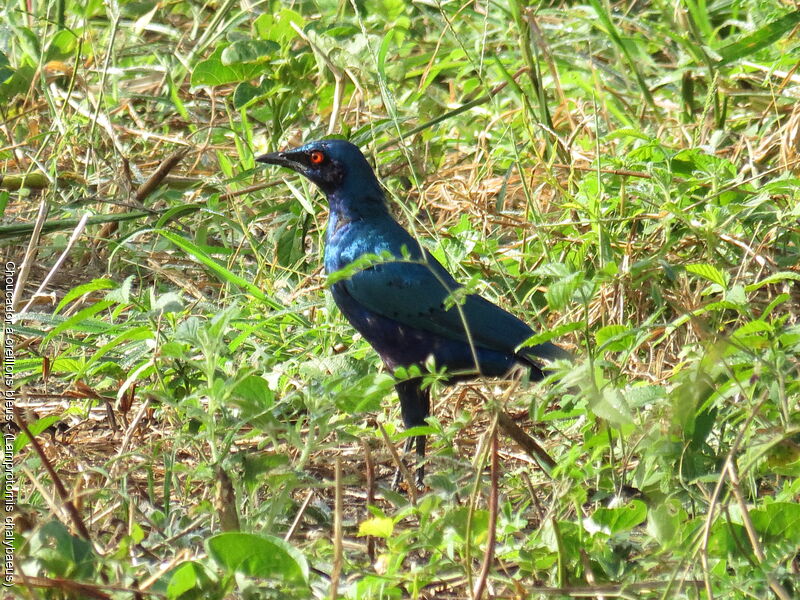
<point x="622" y="175"/>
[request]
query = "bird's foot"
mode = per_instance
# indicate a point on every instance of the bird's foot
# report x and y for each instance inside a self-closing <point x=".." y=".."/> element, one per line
<point x="399" y="479"/>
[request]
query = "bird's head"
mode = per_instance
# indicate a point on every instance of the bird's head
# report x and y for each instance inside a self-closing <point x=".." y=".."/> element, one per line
<point x="333" y="165"/>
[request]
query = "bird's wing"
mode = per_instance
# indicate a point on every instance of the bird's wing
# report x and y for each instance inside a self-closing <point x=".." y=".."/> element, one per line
<point x="420" y="294"/>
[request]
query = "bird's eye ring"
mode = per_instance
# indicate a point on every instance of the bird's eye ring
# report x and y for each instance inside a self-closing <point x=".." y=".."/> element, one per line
<point x="316" y="157"/>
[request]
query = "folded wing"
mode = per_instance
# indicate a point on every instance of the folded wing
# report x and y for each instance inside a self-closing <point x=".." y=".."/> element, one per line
<point x="422" y="294"/>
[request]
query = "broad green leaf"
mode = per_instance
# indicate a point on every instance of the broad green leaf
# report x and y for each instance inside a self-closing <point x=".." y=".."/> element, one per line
<point x="376" y="586"/>
<point x="736" y="295"/>
<point x="254" y="389"/>
<point x="262" y="556"/>
<point x="726" y="539"/>
<point x="778" y="520"/>
<point x="664" y="522"/>
<point x="165" y="303"/>
<point x="624" y="518"/>
<point x="278" y="28"/>
<point x="247" y="94"/>
<point x="641" y="395"/>
<point x="560" y="292"/>
<point x="213" y="72"/>
<point x="18" y="82"/>
<point x="612" y="407"/>
<point x="627" y="132"/>
<point x="753" y="334"/>
<point x="753" y="327"/>
<point x="254" y="399"/>
<point x="248" y="51"/>
<point x="458" y="520"/>
<point x="188" y="581"/>
<point x="62" y="46"/>
<point x="614" y="338"/>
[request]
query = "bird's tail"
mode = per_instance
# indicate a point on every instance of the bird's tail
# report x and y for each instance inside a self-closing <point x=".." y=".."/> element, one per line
<point x="537" y="356"/>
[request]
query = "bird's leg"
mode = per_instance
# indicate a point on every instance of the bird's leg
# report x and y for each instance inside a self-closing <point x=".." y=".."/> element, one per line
<point x="415" y="406"/>
<point x="420" y="439"/>
<point x="420" y="472"/>
<point x="398" y="474"/>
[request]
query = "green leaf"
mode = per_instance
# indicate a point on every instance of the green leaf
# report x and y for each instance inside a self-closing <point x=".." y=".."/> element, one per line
<point x="247" y="94"/>
<point x="762" y="37"/>
<point x="777" y="520"/>
<point x="708" y="272"/>
<point x="624" y="518"/>
<point x="753" y="334"/>
<point x="382" y="527"/>
<point x="560" y="292"/>
<point x="774" y="278"/>
<point x="551" y="334"/>
<point x="248" y="51"/>
<point x="301" y="198"/>
<point x="165" y="303"/>
<point x="30" y="43"/>
<point x="254" y="389"/>
<point x="189" y="581"/>
<point x="18" y="83"/>
<point x="278" y="28"/>
<point x="611" y="406"/>
<point x="77" y="319"/>
<point x="458" y="519"/>
<point x="213" y="72"/>
<point x="35" y="428"/>
<point x="122" y="295"/>
<point x="62" y="554"/>
<point x="614" y="338"/>
<point x="726" y="540"/>
<point x="262" y="556"/>
<point x="6" y="71"/>
<point x="664" y="522"/>
<point x="736" y="295"/>
<point x="81" y="290"/>
<point x="62" y="45"/>
<point x="254" y="399"/>
<point x="223" y="273"/>
<point x="136" y="334"/>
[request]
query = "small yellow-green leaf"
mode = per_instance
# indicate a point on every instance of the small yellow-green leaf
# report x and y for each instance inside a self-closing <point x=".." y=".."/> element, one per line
<point x="378" y="526"/>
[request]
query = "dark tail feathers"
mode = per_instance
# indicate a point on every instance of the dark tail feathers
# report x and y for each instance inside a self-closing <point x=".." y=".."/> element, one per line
<point x="537" y="356"/>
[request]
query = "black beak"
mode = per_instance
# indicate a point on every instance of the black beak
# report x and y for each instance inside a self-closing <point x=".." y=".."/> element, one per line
<point x="283" y="159"/>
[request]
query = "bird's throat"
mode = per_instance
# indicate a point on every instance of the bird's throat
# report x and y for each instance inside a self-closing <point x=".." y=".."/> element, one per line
<point x="353" y="205"/>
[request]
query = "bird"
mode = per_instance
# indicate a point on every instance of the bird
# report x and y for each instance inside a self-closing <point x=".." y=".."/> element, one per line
<point x="398" y="296"/>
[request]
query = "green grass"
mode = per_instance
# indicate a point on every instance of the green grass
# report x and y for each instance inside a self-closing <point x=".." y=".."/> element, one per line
<point x="621" y="176"/>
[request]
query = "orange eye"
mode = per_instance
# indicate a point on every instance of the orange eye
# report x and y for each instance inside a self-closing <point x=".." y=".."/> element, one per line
<point x="316" y="157"/>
